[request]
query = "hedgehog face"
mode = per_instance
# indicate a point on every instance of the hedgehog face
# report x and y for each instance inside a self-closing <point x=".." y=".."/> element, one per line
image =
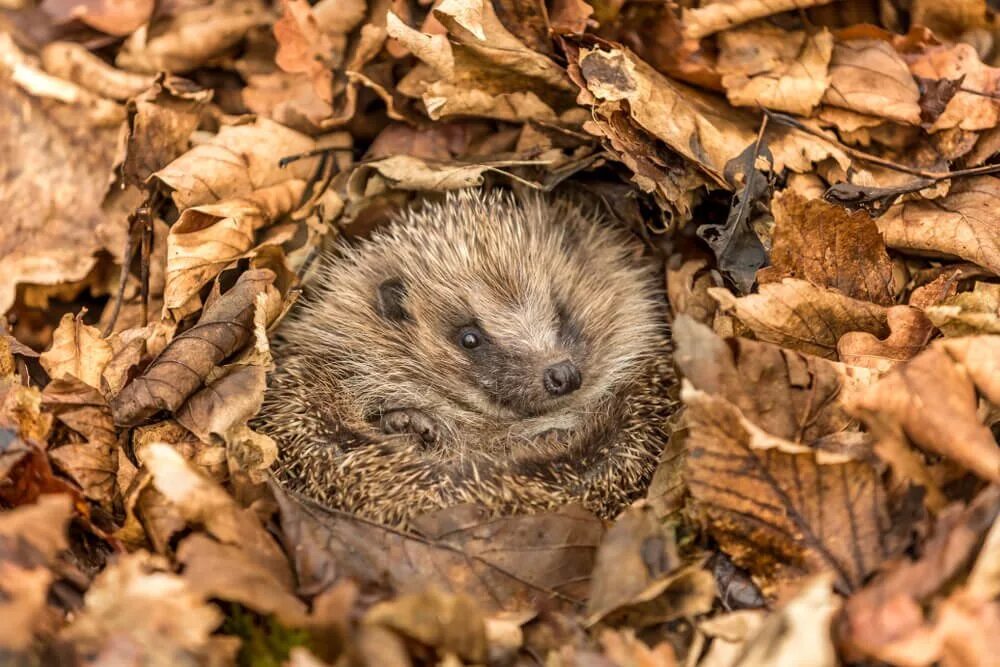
<point x="512" y="350"/>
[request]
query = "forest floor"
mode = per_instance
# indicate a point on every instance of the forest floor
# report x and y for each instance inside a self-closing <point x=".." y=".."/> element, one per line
<point x="820" y="178"/>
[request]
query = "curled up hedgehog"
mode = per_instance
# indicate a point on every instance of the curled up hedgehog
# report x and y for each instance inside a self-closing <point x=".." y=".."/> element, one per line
<point x="506" y="351"/>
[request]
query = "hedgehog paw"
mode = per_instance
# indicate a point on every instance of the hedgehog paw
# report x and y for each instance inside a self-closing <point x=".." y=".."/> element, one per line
<point x="409" y="420"/>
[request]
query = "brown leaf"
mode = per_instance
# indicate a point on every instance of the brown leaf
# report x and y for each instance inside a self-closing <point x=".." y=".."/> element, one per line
<point x="484" y="71"/>
<point x="227" y="402"/>
<point x="232" y="572"/>
<point x="978" y="356"/>
<point x="910" y="331"/>
<point x="830" y="247"/>
<point x="115" y="17"/>
<point x="224" y="327"/>
<point x="718" y="16"/>
<point x="777" y="501"/>
<point x="303" y="47"/>
<point x="962" y="224"/>
<point x="460" y="550"/>
<point x="765" y="66"/>
<point x="968" y="313"/>
<point x="624" y="648"/>
<point x="951" y="427"/>
<point x="78" y="350"/>
<point x="966" y="110"/>
<point x="30" y="538"/>
<point x="801" y="316"/>
<point x="570" y="16"/>
<point x="638" y="579"/>
<point x="160" y="122"/>
<point x="868" y="76"/>
<point x="884" y="621"/>
<point x="55" y="165"/>
<point x="207" y="238"/>
<point x="74" y="62"/>
<point x="136" y="609"/>
<point x="191" y="37"/>
<point x="452" y="624"/>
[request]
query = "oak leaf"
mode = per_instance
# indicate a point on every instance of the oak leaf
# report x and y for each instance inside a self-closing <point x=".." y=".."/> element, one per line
<point x="910" y="331"/>
<point x="78" y="350"/>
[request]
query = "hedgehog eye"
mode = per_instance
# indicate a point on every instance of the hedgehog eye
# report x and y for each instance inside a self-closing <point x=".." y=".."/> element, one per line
<point x="470" y="337"/>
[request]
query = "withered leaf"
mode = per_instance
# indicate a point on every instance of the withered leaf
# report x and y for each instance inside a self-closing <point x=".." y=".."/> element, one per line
<point x="822" y="243"/>
<point x="74" y="62"/>
<point x="910" y="331"/>
<point x="460" y="550"/>
<point x="303" y="47"/>
<point x="965" y="109"/>
<point x="712" y="18"/>
<point x="450" y="623"/>
<point x="868" y="76"/>
<point x="962" y="224"/>
<point x="638" y="580"/>
<point x="951" y="427"/>
<point x="137" y="607"/>
<point x="968" y="313"/>
<point x="799" y="315"/>
<point x="224" y="327"/>
<point x="30" y="538"/>
<point x="114" y="18"/>
<point x="777" y="502"/>
<point x="78" y="350"/>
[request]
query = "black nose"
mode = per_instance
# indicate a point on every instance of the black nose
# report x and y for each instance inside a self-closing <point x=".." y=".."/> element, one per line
<point x="562" y="378"/>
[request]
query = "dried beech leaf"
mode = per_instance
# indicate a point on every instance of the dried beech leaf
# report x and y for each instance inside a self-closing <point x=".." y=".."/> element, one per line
<point x="965" y="110"/>
<point x="868" y="76"/>
<point x="824" y="244"/>
<point x="207" y="238"/>
<point x="951" y="427"/>
<point x="782" y="516"/>
<point x="910" y="331"/>
<point x="115" y="18"/>
<point x="968" y="313"/>
<point x="801" y="316"/>
<point x="55" y="166"/>
<point x="452" y="624"/>
<point x="191" y="37"/>
<point x="138" y="607"/>
<point x="777" y="500"/>
<point x="460" y="550"/>
<point x="792" y="80"/>
<point x="237" y="161"/>
<point x="78" y="350"/>
<point x="224" y="327"/>
<point x="717" y="16"/>
<point x="884" y="621"/>
<point x="638" y="579"/>
<point x="962" y="224"/>
<point x="303" y="47"/>
<point x="30" y="538"/>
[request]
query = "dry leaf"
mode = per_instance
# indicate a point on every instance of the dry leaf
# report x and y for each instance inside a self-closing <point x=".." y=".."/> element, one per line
<point x="137" y="608"/>
<point x="31" y="535"/>
<point x="868" y="76"/>
<point x="638" y="579"/>
<point x="830" y="247"/>
<point x="74" y="62"/>
<point x="933" y="399"/>
<point x="965" y="110"/>
<point x="115" y="17"/>
<point x="962" y="224"/>
<point x="55" y="166"/>
<point x="303" y="47"/>
<point x="802" y="316"/>
<point x="718" y="16"/>
<point x="910" y="331"/>
<point x="78" y="351"/>
<point x="460" y="550"/>
<point x="764" y="66"/>
<point x="624" y="648"/>
<point x="452" y="624"/>
<point x="223" y="328"/>
<point x="191" y="37"/>
<point x="968" y="313"/>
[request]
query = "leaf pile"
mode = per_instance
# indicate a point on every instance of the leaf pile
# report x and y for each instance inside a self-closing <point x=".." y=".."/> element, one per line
<point x="818" y="175"/>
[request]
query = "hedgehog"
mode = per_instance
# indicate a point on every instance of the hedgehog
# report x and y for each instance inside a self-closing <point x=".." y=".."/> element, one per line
<point x="510" y="351"/>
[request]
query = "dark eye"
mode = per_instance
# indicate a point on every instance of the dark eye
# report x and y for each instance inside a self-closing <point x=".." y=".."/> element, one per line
<point x="470" y="338"/>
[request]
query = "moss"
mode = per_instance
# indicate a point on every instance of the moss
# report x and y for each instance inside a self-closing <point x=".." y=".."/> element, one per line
<point x="266" y="642"/>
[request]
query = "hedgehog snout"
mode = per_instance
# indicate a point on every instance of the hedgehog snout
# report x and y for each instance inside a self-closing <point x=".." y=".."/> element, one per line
<point x="561" y="378"/>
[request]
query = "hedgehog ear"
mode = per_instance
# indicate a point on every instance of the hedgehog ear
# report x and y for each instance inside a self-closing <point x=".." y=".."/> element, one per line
<point x="389" y="300"/>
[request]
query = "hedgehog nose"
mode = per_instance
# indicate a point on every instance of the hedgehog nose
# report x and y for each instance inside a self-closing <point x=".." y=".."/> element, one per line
<point x="562" y="378"/>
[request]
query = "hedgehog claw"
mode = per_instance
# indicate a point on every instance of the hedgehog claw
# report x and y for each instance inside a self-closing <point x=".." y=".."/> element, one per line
<point x="408" y="420"/>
